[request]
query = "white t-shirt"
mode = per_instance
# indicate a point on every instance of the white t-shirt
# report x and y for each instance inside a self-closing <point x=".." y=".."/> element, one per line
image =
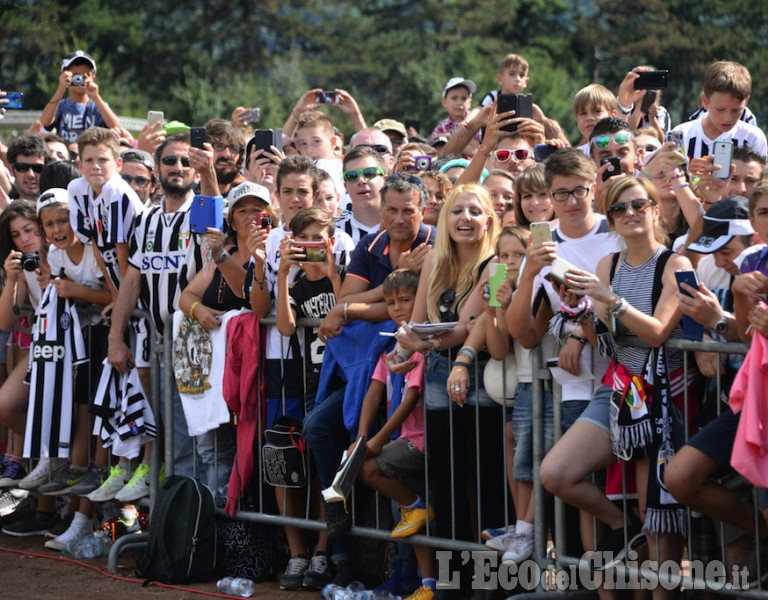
<point x="86" y="273"/>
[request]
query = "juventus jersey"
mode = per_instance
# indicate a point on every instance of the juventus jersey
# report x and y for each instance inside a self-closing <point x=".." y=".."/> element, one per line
<point x="108" y="219"/>
<point x="57" y="346"/>
<point x="354" y="228"/>
<point x="696" y="144"/>
<point x="168" y="255"/>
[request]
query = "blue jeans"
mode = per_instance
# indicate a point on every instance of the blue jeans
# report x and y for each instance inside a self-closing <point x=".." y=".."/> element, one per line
<point x="572" y="410"/>
<point x="522" y="426"/>
<point x="436" y="372"/>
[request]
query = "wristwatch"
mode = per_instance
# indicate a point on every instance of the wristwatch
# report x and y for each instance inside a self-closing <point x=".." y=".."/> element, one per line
<point x="222" y="257"/>
<point x="721" y="326"/>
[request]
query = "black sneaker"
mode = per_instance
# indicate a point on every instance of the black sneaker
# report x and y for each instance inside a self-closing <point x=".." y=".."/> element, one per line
<point x="318" y="574"/>
<point x="25" y="508"/>
<point x="293" y="576"/>
<point x="337" y="519"/>
<point x="612" y="548"/>
<point x="757" y="574"/>
<point x="36" y="524"/>
<point x="344" y="575"/>
<point x="60" y="527"/>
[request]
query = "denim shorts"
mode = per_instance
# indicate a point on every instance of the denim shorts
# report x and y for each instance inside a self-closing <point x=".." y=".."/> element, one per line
<point x="522" y="426"/>
<point x="572" y="410"/>
<point x="598" y="412"/>
<point x="401" y="459"/>
<point x="436" y="374"/>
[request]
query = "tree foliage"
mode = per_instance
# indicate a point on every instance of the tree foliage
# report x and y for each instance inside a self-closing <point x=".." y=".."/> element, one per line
<point x="199" y="60"/>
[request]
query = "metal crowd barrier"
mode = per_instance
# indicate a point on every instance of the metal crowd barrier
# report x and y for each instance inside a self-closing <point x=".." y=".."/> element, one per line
<point x="547" y="559"/>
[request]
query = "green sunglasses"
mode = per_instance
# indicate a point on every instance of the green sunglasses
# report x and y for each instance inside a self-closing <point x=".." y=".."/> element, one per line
<point x="602" y="141"/>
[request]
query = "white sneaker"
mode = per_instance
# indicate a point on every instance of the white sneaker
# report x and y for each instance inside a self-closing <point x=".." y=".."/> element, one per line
<point x="137" y="487"/>
<point x="72" y="535"/>
<point x="10" y="500"/>
<point x="45" y="470"/>
<point x="500" y="542"/>
<point x="520" y="547"/>
<point x="118" y="477"/>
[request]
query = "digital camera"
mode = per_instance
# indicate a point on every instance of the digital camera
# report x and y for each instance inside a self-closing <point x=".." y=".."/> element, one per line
<point x="30" y="261"/>
<point x="422" y="163"/>
<point x="78" y="80"/>
<point x="265" y="222"/>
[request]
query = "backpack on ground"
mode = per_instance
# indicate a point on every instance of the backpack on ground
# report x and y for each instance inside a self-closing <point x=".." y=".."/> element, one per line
<point x="182" y="534"/>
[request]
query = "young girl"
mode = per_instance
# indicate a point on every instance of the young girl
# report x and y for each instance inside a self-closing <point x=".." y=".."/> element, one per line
<point x="501" y="186"/>
<point x="532" y="203"/>
<point x="76" y="275"/>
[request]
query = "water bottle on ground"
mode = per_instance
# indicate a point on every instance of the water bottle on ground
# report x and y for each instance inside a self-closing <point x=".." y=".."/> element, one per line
<point x="355" y="591"/>
<point x="92" y="546"/>
<point x="236" y="586"/>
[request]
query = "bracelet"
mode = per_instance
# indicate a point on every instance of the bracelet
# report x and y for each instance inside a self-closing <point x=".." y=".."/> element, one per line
<point x="469" y="352"/>
<point x="622" y="110"/>
<point x="620" y="307"/>
<point x="461" y="364"/>
<point x="192" y="309"/>
<point x="578" y="338"/>
<point x="430" y="347"/>
<point x="222" y="257"/>
<point x="346" y="306"/>
<point x="260" y="281"/>
<point x="677" y="186"/>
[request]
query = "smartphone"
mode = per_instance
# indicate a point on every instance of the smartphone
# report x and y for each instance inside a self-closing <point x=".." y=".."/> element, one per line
<point x="692" y="329"/>
<point x="197" y="137"/>
<point x="542" y="152"/>
<point x="252" y="115"/>
<point x="264" y="139"/>
<point x="558" y="270"/>
<point x="648" y="99"/>
<point x="677" y="138"/>
<point x="615" y="162"/>
<point x="206" y="211"/>
<point x="15" y="100"/>
<point x="497" y="274"/>
<point x="723" y="153"/>
<point x="540" y="232"/>
<point x="315" y="251"/>
<point x="415" y="123"/>
<point x="265" y="222"/>
<point x="154" y="116"/>
<point x="327" y="98"/>
<point x="522" y="104"/>
<point x="652" y="80"/>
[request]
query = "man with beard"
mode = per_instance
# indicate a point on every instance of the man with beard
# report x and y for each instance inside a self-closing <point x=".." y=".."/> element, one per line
<point x="164" y="258"/>
<point x="228" y="145"/>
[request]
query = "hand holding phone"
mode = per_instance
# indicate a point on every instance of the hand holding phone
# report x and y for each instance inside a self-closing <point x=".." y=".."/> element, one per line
<point x="197" y="137"/>
<point x="723" y="154"/>
<point x="522" y="104"/>
<point x="614" y="169"/>
<point x="692" y="329"/>
<point x="15" y="100"/>
<point x="652" y="80"/>
<point x="540" y="232"/>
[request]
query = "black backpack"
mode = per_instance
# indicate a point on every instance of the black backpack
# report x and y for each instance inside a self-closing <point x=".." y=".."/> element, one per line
<point x="182" y="534"/>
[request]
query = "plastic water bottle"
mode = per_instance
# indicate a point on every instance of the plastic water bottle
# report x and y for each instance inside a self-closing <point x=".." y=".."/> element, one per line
<point x="336" y="592"/>
<point x="236" y="586"/>
<point x="93" y="546"/>
<point x="355" y="591"/>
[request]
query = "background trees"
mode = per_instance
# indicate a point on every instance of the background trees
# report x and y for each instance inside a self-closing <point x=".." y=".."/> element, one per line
<point x="199" y="60"/>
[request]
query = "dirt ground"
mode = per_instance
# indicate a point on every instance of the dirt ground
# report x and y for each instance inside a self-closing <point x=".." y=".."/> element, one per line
<point x="28" y="570"/>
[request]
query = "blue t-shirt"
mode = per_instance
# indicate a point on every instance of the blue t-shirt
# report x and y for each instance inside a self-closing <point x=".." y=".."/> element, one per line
<point x="72" y="118"/>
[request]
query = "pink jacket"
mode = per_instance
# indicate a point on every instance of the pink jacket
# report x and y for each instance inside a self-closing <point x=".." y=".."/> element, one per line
<point x="749" y="455"/>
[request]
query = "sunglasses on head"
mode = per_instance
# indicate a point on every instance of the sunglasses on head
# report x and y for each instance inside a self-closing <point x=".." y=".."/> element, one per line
<point x="172" y="159"/>
<point x="379" y="148"/>
<point x="602" y="141"/>
<point x="639" y="205"/>
<point x="142" y="182"/>
<point x="368" y="173"/>
<point x="24" y="167"/>
<point x="520" y="154"/>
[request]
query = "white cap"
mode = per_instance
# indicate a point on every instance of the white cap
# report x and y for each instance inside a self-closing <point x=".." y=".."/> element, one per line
<point x="457" y="81"/>
<point x="247" y="189"/>
<point x="52" y="196"/>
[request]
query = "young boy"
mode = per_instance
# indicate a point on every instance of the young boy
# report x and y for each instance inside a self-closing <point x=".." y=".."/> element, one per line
<point x="84" y="108"/>
<point x="512" y="77"/>
<point x="727" y="87"/>
<point x="102" y="204"/>
<point x="316" y="138"/>
<point x="457" y="100"/>
<point x="590" y="104"/>
<point x="395" y="468"/>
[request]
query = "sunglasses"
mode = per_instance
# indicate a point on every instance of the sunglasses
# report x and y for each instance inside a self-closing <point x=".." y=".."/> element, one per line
<point x="639" y="205"/>
<point x="520" y="154"/>
<point x="368" y="173"/>
<point x="379" y="148"/>
<point x="142" y="182"/>
<point x="579" y="193"/>
<point x="446" y="300"/>
<point x="171" y="160"/>
<point x="602" y="141"/>
<point x="24" y="167"/>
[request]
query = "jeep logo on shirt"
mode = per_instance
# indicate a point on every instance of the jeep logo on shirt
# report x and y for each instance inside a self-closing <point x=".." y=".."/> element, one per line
<point x="47" y="352"/>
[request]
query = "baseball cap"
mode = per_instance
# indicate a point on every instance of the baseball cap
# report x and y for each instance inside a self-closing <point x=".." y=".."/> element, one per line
<point x="247" y="189"/>
<point x="52" y="196"/>
<point x="391" y="125"/>
<point x="457" y="81"/>
<point x="138" y="156"/>
<point x="77" y="55"/>
<point x="723" y="221"/>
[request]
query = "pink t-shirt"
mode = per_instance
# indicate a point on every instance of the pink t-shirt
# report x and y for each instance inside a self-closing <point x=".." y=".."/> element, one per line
<point x="413" y="426"/>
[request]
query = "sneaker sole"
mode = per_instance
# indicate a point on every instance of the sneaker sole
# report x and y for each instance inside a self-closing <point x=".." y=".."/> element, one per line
<point x="633" y="545"/>
<point x="497" y="544"/>
<point x="131" y="497"/>
<point x="60" y="492"/>
<point x="26" y="533"/>
<point x="54" y="545"/>
<point x="104" y="497"/>
<point x="408" y="531"/>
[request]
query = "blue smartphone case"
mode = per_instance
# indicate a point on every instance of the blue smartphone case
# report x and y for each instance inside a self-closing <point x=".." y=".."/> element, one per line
<point x="206" y="211"/>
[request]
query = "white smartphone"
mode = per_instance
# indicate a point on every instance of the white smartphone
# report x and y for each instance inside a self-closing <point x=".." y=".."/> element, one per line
<point x="723" y="152"/>
<point x="153" y="116"/>
<point x="540" y="232"/>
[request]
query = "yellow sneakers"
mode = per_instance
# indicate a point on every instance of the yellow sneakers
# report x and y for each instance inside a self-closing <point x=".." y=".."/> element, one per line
<point x="423" y="593"/>
<point x="412" y="520"/>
